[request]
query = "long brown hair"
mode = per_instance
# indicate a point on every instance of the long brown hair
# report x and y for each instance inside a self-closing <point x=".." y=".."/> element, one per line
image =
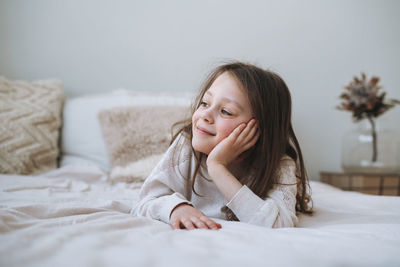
<point x="271" y="103"/>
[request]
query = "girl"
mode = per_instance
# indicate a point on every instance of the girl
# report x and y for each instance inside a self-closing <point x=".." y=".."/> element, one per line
<point x="237" y="158"/>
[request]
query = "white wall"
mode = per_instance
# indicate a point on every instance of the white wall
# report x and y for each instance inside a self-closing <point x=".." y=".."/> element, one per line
<point x="317" y="47"/>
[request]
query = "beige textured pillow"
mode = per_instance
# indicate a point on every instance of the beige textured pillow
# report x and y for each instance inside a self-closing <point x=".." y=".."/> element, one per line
<point x="136" y="137"/>
<point x="30" y="120"/>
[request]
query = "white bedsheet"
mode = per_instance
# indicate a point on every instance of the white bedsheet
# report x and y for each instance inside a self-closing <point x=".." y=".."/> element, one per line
<point x="74" y="216"/>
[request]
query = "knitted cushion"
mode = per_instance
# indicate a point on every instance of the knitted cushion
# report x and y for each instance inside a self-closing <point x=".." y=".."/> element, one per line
<point x="30" y="120"/>
<point x="136" y="137"/>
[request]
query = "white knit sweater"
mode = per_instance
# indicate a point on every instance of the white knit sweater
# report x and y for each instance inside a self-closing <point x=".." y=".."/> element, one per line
<point x="168" y="186"/>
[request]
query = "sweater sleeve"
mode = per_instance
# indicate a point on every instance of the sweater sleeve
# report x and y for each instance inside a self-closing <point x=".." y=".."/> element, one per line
<point x="166" y="186"/>
<point x="278" y="209"/>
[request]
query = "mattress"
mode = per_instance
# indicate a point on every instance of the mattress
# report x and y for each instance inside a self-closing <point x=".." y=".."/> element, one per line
<point x="76" y="216"/>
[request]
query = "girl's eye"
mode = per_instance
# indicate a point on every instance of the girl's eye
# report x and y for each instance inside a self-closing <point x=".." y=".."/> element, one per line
<point x="225" y="112"/>
<point x="203" y="104"/>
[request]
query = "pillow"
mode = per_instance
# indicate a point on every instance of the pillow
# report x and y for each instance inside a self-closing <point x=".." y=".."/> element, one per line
<point x="136" y="138"/>
<point x="136" y="171"/>
<point x="30" y="120"/>
<point x="82" y="140"/>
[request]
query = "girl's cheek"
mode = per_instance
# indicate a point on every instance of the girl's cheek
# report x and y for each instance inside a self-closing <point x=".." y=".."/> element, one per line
<point x="227" y="128"/>
<point x="195" y="117"/>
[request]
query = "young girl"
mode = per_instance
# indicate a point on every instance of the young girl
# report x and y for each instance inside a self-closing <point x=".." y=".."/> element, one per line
<point x="237" y="158"/>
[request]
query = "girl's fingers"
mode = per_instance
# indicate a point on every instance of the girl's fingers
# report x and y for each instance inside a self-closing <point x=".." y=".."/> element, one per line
<point x="218" y="225"/>
<point x="210" y="223"/>
<point x="188" y="224"/>
<point x="202" y="222"/>
<point x="248" y="132"/>
<point x="253" y="133"/>
<point x="237" y="131"/>
<point x="199" y="224"/>
<point x="175" y="225"/>
<point x="252" y="141"/>
<point x="242" y="132"/>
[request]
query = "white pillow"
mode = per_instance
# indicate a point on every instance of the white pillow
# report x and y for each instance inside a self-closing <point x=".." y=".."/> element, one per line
<point x="82" y="139"/>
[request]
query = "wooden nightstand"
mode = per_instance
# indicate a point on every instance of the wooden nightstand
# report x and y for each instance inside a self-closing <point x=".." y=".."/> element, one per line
<point x="369" y="183"/>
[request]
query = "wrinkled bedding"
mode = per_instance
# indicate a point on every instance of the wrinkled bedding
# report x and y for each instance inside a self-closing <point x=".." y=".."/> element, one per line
<point x="74" y="216"/>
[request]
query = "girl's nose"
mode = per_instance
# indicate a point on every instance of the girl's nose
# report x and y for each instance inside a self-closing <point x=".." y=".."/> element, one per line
<point x="207" y="115"/>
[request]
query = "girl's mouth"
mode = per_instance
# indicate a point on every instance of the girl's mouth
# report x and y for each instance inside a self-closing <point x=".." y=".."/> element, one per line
<point x="204" y="131"/>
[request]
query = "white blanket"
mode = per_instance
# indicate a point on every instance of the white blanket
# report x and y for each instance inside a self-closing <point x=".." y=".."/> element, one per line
<point x="74" y="216"/>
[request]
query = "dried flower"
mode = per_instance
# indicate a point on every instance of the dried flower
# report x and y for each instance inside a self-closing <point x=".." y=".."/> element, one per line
<point x="363" y="99"/>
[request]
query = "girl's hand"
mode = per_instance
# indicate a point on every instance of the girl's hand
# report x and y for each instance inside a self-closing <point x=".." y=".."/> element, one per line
<point x="185" y="216"/>
<point x="241" y="139"/>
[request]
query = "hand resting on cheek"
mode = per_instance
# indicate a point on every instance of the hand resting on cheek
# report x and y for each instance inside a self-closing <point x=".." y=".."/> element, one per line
<point x="242" y="138"/>
<point x="185" y="216"/>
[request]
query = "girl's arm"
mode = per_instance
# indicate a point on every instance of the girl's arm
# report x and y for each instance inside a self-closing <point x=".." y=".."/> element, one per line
<point x="164" y="194"/>
<point x="278" y="209"/>
<point x="228" y="150"/>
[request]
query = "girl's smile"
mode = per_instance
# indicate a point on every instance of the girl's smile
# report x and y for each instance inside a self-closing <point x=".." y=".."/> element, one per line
<point x="204" y="131"/>
<point x="223" y="107"/>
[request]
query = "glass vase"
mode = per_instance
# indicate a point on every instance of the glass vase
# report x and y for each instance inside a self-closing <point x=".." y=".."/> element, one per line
<point x="368" y="149"/>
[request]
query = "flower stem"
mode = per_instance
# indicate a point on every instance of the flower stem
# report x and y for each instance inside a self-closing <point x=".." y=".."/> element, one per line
<point x="374" y="140"/>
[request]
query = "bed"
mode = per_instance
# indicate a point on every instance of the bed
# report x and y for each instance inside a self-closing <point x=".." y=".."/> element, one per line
<point x="77" y="213"/>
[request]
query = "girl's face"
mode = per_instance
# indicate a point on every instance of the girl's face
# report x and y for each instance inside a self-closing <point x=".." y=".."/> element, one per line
<point x="224" y="107"/>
